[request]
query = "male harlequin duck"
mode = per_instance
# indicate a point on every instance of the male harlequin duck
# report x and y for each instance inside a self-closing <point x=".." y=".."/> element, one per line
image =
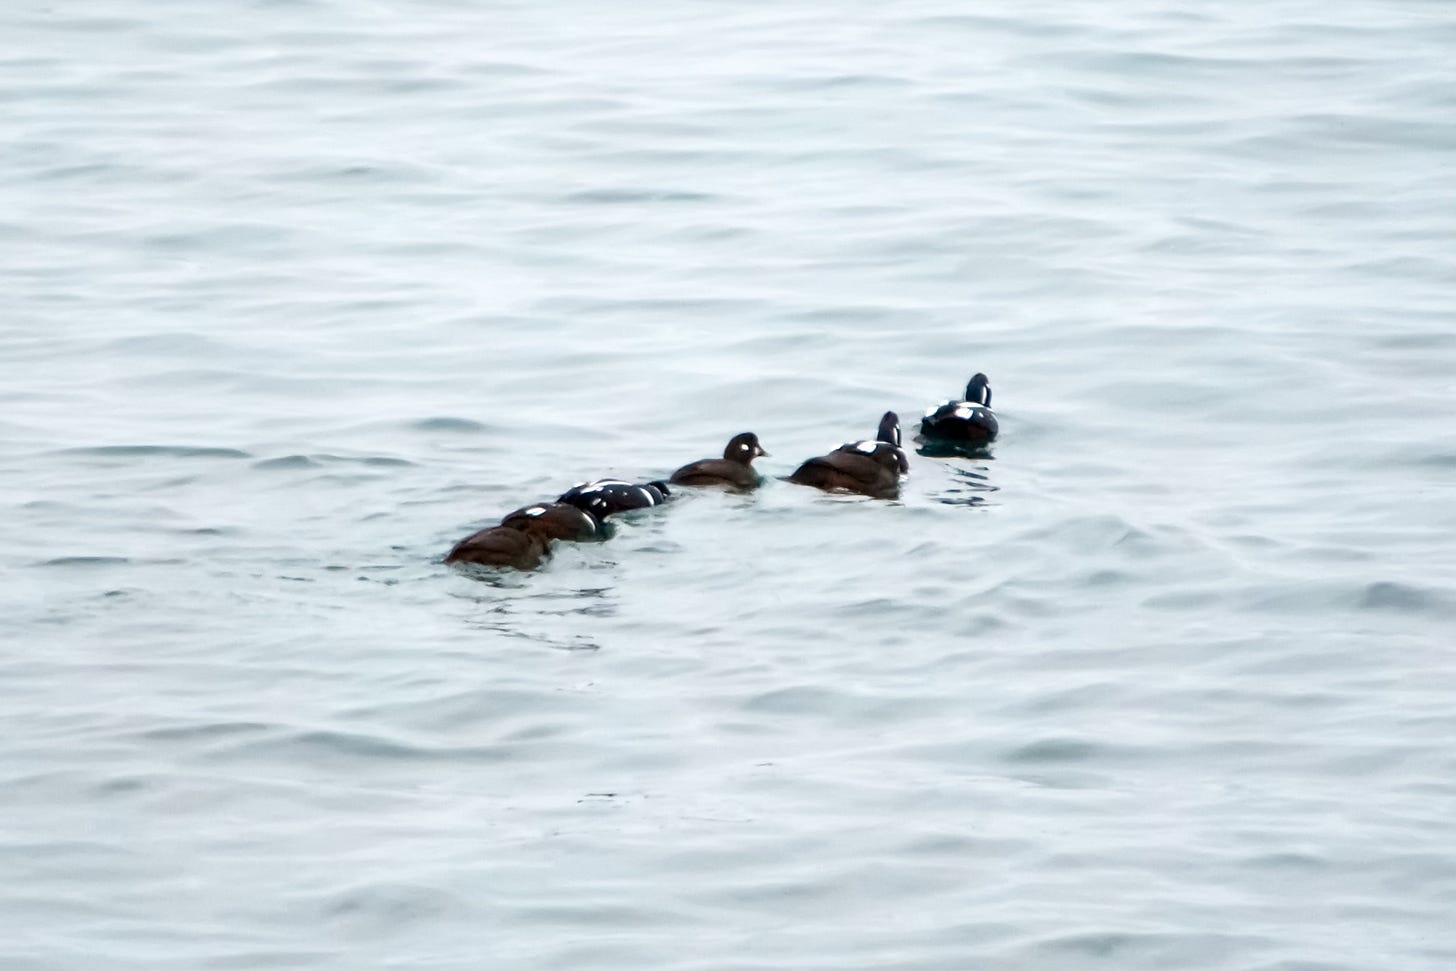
<point x="554" y="520"/>
<point x="734" y="469"/>
<point x="500" y="546"/>
<point x="605" y="497"/>
<point x="523" y="538"/>
<point x="969" y="423"/>
<point x="867" y="468"/>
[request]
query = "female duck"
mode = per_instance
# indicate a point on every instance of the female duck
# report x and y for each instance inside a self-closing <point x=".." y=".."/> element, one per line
<point x="734" y="469"/>
<point x="500" y="546"/>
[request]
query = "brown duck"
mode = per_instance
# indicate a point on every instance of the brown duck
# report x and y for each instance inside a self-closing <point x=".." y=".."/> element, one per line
<point x="523" y="538"/>
<point x="500" y="546"/>
<point x="734" y="469"/>
<point x="867" y="468"/>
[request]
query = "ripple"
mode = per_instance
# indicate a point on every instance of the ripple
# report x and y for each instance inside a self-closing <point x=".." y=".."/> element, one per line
<point x="155" y="451"/>
<point x="317" y="460"/>
<point x="1159" y="666"/>
<point x="450" y="424"/>
<point x="86" y="561"/>
<point x="337" y="747"/>
<point x="617" y="197"/>
<point x="1055" y="750"/>
<point x="1388" y="595"/>
<point x="370" y="908"/>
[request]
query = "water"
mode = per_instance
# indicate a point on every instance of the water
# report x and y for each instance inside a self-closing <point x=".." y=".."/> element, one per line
<point x="298" y="294"/>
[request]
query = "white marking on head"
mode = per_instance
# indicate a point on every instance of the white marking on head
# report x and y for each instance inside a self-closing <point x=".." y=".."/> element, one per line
<point x="743" y="446"/>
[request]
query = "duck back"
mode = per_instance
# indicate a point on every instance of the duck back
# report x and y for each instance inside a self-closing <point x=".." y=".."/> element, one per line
<point x="500" y="546"/>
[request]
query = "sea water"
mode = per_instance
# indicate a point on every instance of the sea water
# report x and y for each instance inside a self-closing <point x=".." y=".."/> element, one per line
<point x="297" y="294"/>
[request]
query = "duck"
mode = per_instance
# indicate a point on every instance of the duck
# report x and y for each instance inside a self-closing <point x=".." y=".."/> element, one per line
<point x="554" y="520"/>
<point x="500" y="546"/>
<point x="522" y="539"/>
<point x="869" y="468"/>
<point x="734" y="469"/>
<point x="605" y="497"/>
<point x="968" y="423"/>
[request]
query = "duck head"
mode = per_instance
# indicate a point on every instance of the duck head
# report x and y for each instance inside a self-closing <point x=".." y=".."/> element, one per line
<point x="743" y="448"/>
<point x="889" y="429"/>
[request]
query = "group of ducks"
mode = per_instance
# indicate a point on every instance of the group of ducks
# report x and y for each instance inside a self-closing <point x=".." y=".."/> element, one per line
<point x="869" y="468"/>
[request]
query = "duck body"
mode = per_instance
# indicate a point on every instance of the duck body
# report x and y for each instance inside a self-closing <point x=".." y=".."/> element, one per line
<point x="605" y="497"/>
<point x="734" y="469"/>
<point x="522" y="539"/>
<point x="500" y="546"/>
<point x="868" y="468"/>
<point x="968" y="423"/>
<point x="554" y="520"/>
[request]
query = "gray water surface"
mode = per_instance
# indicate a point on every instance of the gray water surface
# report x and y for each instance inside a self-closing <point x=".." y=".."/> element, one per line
<point x="297" y="294"/>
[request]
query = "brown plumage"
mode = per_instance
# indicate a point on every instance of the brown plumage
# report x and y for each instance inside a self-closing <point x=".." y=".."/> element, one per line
<point x="868" y="468"/>
<point x="500" y="546"/>
<point x="552" y="520"/>
<point x="734" y="469"/>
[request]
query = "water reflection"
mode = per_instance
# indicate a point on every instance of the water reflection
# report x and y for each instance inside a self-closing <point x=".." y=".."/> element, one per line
<point x="933" y="448"/>
<point x="968" y="486"/>
<point x="529" y="614"/>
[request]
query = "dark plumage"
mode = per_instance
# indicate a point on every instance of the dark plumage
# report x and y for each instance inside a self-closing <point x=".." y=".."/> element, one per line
<point x="500" y="546"/>
<point x="606" y="497"/>
<point x="523" y="538"/>
<point x="969" y="423"/>
<point x="886" y="445"/>
<point x="734" y="469"/>
<point x="554" y="520"/>
<point x="870" y="468"/>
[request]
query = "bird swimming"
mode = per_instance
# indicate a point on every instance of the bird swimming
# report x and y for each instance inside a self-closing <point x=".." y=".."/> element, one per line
<point x="968" y="423"/>
<point x="869" y="468"/>
<point x="734" y="469"/>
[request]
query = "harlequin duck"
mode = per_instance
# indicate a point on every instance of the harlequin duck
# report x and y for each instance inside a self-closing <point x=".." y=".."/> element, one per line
<point x="734" y="469"/>
<point x="868" y="468"/>
<point x="500" y="546"/>
<point x="534" y="527"/>
<point x="605" y="497"/>
<point x="969" y="423"/>
<point x="554" y="520"/>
